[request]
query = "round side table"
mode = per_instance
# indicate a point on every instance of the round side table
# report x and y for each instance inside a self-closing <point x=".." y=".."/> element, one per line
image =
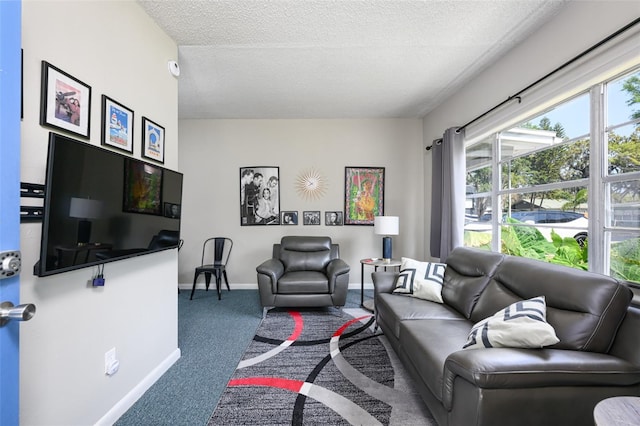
<point x="376" y="262"/>
<point x="617" y="411"/>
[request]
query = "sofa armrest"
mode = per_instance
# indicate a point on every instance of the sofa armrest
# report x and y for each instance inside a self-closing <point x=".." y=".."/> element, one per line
<point x="506" y="368"/>
<point x="337" y="267"/>
<point x="273" y="268"/>
<point x="384" y="282"/>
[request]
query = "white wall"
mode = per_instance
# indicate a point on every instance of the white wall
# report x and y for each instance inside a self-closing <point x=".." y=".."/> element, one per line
<point x="119" y="51"/>
<point x="212" y="152"/>
<point x="578" y="26"/>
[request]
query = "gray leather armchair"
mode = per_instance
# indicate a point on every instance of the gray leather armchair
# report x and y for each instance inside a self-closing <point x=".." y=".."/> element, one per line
<point x="303" y="272"/>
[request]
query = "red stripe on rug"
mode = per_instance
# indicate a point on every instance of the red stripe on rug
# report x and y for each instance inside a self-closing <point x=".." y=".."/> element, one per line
<point x="272" y="382"/>
<point x="299" y="325"/>
<point x="345" y="326"/>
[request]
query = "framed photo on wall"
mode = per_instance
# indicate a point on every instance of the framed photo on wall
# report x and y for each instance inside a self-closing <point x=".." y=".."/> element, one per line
<point x="289" y="218"/>
<point x="333" y="218"/>
<point x="65" y="101"/>
<point x="152" y="140"/>
<point x="311" y="217"/>
<point x="260" y="196"/>
<point x="363" y="194"/>
<point x="117" y="125"/>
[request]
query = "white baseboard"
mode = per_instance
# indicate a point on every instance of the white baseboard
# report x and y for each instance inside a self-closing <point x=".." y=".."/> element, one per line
<point x="130" y="398"/>
<point x="250" y="286"/>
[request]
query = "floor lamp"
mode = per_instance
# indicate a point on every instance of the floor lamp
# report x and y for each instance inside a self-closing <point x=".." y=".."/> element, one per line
<point x="386" y="225"/>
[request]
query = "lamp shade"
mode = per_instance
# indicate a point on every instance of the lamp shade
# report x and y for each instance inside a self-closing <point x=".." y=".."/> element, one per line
<point x="386" y="225"/>
<point x="84" y="208"/>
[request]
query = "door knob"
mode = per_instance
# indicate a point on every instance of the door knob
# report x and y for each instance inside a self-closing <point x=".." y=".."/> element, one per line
<point x="19" y="313"/>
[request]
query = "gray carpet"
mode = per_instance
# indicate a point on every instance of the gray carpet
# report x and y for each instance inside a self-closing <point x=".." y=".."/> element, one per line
<point x="212" y="336"/>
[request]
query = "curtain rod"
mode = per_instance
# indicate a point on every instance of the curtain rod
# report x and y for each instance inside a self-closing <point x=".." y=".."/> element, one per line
<point x="566" y="64"/>
<point x="435" y="142"/>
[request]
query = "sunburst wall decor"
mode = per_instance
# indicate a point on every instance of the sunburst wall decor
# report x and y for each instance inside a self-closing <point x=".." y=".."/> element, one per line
<point x="311" y="185"/>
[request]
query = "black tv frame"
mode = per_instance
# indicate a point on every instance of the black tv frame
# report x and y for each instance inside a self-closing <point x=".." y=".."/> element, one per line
<point x="111" y="251"/>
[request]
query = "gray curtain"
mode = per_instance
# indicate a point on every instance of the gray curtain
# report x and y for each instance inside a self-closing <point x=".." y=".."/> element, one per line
<point x="447" y="193"/>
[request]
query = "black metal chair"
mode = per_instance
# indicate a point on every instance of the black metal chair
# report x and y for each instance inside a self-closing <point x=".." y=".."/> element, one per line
<point x="165" y="238"/>
<point x="216" y="251"/>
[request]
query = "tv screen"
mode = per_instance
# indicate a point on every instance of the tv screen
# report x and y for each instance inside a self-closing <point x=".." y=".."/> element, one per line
<point x="101" y="206"/>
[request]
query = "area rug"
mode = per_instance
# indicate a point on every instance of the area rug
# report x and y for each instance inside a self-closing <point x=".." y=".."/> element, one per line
<point x="320" y="367"/>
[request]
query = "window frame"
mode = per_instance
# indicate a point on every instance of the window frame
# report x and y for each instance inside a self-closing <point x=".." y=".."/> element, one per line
<point x="599" y="204"/>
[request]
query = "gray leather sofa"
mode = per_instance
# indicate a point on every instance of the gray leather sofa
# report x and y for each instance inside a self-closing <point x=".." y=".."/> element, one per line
<point x="598" y="355"/>
<point x="303" y="272"/>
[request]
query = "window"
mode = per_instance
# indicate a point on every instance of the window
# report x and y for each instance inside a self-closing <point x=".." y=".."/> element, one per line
<point x="622" y="177"/>
<point x="548" y="188"/>
<point x="478" y="206"/>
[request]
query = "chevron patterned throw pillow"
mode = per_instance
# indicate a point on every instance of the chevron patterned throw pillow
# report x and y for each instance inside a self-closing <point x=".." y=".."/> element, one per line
<point x="520" y="325"/>
<point x="422" y="280"/>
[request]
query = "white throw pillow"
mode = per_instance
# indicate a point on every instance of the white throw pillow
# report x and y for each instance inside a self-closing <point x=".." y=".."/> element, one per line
<point x="422" y="280"/>
<point x="520" y="325"/>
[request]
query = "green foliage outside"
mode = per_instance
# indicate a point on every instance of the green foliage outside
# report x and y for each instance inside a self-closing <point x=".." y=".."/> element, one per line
<point x="525" y="241"/>
<point x="528" y="242"/>
<point x="632" y="87"/>
<point x="625" y="260"/>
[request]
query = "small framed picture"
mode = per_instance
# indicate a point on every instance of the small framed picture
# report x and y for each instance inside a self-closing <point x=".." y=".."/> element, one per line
<point x="289" y="218"/>
<point x="152" y="140"/>
<point x="333" y="218"/>
<point x="311" y="218"/>
<point x="172" y="210"/>
<point x="117" y="125"/>
<point x="65" y="101"/>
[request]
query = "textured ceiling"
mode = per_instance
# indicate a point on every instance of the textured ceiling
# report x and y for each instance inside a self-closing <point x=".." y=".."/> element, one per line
<point x="336" y="59"/>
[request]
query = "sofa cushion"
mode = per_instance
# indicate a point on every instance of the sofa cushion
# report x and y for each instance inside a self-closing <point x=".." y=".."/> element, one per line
<point x="468" y="273"/>
<point x="584" y="308"/>
<point x="427" y="344"/>
<point x="395" y="309"/>
<point x="422" y="280"/>
<point x="303" y="282"/>
<point x="520" y="325"/>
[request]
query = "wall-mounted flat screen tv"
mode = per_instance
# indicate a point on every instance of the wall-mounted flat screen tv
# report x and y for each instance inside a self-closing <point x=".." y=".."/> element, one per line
<point x="101" y="206"/>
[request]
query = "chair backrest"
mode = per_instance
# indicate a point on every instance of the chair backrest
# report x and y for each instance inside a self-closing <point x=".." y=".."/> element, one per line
<point x="165" y="238"/>
<point x="216" y="250"/>
<point x="302" y="253"/>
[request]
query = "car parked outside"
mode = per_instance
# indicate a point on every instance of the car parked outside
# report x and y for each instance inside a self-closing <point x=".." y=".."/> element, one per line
<point x="564" y="223"/>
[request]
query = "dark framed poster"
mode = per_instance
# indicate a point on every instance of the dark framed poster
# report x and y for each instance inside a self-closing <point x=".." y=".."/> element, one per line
<point x="117" y="125"/>
<point x="65" y="101"/>
<point x="259" y="195"/>
<point x="363" y="194"/>
<point x="152" y="140"/>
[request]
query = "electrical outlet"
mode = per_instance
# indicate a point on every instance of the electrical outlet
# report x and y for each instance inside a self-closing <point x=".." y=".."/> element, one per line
<point x="111" y="363"/>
